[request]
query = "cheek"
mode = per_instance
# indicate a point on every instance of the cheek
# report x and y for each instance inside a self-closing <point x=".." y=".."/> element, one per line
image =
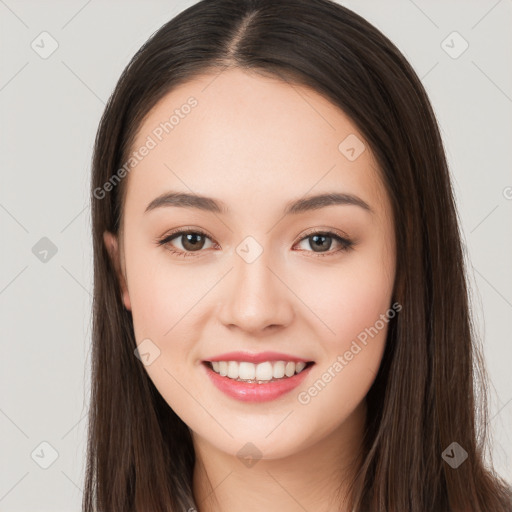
<point x="365" y="297"/>
<point x="359" y="317"/>
<point x="149" y="296"/>
<point x="354" y="305"/>
<point x="350" y="297"/>
<point x="160" y="293"/>
<point x="163" y="300"/>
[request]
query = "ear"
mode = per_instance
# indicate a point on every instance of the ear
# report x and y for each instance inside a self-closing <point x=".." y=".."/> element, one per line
<point x="112" y="246"/>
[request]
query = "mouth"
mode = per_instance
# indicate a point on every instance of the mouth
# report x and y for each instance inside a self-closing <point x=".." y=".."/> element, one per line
<point x="256" y="382"/>
<point x="260" y="373"/>
<point x="256" y="377"/>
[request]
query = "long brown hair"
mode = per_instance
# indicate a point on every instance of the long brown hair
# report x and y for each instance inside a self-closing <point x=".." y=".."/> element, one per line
<point x="140" y="453"/>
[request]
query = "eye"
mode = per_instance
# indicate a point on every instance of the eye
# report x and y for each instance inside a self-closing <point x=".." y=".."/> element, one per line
<point x="323" y="240"/>
<point x="191" y="241"/>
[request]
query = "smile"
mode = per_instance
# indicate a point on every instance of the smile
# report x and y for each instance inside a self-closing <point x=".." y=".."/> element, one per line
<point x="263" y="382"/>
<point x="267" y="371"/>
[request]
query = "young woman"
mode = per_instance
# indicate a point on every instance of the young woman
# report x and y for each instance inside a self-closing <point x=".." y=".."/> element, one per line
<point x="281" y="316"/>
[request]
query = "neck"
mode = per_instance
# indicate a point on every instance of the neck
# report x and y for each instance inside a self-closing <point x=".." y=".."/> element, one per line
<point x="315" y="478"/>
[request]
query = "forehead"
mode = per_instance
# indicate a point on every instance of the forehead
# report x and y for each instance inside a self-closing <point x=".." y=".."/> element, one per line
<point x="235" y="134"/>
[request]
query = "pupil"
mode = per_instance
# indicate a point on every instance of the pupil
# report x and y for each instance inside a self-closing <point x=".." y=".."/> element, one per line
<point x="316" y="237"/>
<point x="190" y="239"/>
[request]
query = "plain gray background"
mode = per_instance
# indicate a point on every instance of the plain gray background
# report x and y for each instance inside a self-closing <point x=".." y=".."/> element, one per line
<point x="50" y="108"/>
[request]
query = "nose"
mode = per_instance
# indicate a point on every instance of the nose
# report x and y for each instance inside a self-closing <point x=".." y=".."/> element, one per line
<point x="256" y="299"/>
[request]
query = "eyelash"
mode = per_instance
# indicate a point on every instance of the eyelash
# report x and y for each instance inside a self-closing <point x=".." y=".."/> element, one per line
<point x="346" y="244"/>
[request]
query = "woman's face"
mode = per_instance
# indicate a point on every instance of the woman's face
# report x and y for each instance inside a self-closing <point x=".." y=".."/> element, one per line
<point x="261" y="279"/>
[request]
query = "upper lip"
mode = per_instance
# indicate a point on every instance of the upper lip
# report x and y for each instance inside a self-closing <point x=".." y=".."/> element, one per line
<point x="260" y="357"/>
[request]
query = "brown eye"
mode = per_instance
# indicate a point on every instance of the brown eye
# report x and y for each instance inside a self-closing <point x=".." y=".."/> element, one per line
<point x="320" y="242"/>
<point x="190" y="241"/>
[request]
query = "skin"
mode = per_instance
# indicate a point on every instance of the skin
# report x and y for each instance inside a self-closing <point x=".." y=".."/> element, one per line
<point x="257" y="143"/>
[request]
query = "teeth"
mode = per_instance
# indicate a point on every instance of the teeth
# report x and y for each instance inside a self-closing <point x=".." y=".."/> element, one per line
<point x="300" y="366"/>
<point x="278" y="372"/>
<point x="289" y="369"/>
<point x="232" y="370"/>
<point x="223" y="368"/>
<point x="245" y="371"/>
<point x="262" y="372"/>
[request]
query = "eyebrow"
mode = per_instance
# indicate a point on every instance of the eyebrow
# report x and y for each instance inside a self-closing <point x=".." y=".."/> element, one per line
<point x="186" y="200"/>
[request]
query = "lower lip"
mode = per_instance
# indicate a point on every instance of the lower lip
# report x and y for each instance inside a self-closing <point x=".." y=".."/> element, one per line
<point x="252" y="391"/>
